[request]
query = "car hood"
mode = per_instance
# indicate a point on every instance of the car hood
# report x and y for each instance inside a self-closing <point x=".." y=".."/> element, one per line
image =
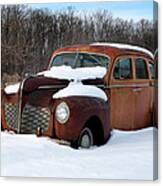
<point x="59" y="80"/>
<point x="40" y="82"/>
<point x="62" y="75"/>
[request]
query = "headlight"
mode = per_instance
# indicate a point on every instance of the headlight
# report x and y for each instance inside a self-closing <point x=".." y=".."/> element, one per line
<point x="62" y="113"/>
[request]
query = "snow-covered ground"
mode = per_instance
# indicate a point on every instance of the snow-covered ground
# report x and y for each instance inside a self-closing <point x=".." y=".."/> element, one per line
<point x="127" y="155"/>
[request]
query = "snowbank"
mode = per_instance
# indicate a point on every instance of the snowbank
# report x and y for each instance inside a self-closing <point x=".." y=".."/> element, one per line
<point x="12" y="89"/>
<point x="125" y="46"/>
<point x="78" y="89"/>
<point x="127" y="155"/>
<point x="66" y="72"/>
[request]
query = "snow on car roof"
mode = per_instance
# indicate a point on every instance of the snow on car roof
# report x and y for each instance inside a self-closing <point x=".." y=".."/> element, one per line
<point x="124" y="46"/>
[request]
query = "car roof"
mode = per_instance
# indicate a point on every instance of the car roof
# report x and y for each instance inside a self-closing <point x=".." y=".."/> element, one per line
<point x="124" y="46"/>
<point x="108" y="47"/>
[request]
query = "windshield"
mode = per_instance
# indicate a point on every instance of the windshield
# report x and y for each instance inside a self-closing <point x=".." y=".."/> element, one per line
<point x="77" y="60"/>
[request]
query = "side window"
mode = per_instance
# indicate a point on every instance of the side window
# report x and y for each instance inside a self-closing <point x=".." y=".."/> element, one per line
<point x="141" y="69"/>
<point x="152" y="70"/>
<point x="122" y="69"/>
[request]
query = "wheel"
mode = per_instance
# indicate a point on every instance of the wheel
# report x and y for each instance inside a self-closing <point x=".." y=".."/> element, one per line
<point x="2" y="129"/>
<point x="85" y="138"/>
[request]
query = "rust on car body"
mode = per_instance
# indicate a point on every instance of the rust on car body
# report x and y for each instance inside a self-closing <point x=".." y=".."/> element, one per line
<point x="128" y="84"/>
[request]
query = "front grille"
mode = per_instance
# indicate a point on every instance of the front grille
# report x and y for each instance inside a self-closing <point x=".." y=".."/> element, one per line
<point x="11" y="115"/>
<point x="34" y="117"/>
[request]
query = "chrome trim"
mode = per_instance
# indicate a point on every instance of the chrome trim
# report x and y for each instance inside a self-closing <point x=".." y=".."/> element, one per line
<point x="34" y="117"/>
<point x="51" y="86"/>
<point x="11" y="115"/>
<point x="137" y="89"/>
<point x="128" y="86"/>
<point x="62" y="104"/>
<point x="100" y="86"/>
<point x="20" y="104"/>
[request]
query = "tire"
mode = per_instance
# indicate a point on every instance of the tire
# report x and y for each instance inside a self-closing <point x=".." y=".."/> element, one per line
<point x="2" y="129"/>
<point x="85" y="139"/>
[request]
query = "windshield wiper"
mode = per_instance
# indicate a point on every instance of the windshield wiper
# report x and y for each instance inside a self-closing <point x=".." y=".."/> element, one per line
<point x="75" y="60"/>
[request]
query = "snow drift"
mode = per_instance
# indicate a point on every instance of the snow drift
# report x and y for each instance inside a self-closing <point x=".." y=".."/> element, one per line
<point x="127" y="155"/>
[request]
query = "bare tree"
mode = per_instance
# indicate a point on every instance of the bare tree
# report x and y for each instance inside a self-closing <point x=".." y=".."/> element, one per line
<point x="29" y="36"/>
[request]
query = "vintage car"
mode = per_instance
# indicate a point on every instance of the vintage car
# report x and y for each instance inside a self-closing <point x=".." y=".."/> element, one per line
<point x="85" y="91"/>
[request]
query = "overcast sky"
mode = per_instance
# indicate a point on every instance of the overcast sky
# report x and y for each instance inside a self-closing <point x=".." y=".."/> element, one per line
<point x="126" y="9"/>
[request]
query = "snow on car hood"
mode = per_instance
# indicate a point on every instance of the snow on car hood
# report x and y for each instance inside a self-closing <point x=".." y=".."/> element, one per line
<point x="67" y="72"/>
<point x="76" y="88"/>
<point x="12" y="89"/>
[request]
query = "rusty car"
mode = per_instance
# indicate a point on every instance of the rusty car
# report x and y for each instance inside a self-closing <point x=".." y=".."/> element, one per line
<point x="87" y="90"/>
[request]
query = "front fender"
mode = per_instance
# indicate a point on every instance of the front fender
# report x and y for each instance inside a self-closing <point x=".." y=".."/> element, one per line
<point x="81" y="110"/>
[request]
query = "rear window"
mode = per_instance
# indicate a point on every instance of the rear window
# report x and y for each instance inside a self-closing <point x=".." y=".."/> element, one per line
<point x="141" y="69"/>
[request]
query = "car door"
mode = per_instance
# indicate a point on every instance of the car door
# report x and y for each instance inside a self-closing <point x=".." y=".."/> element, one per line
<point x="122" y="101"/>
<point x="143" y="93"/>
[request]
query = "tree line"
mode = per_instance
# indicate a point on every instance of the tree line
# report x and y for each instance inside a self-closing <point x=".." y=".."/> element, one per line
<point x="29" y="36"/>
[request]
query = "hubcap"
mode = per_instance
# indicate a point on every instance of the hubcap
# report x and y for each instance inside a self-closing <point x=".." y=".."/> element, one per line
<point x="85" y="141"/>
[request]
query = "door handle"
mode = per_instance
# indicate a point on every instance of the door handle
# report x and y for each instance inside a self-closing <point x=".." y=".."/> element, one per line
<point x="137" y="89"/>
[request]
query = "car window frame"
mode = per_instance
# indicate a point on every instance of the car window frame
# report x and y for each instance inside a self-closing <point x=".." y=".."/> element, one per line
<point x="147" y="68"/>
<point x="150" y="62"/>
<point x="113" y="67"/>
<point x="86" y="52"/>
